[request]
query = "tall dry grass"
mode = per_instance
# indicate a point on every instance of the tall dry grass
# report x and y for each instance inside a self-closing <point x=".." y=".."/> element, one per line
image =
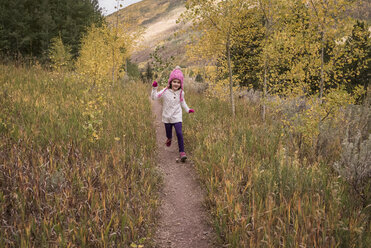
<point x="262" y="194"/>
<point x="60" y="188"/>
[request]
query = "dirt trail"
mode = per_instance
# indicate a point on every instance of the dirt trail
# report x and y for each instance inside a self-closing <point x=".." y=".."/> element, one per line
<point x="182" y="221"/>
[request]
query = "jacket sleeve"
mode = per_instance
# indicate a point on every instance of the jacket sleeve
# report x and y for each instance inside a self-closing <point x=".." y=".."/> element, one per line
<point x="184" y="104"/>
<point x="156" y="95"/>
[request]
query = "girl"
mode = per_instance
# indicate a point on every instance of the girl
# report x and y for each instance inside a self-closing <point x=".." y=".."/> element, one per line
<point x="172" y="100"/>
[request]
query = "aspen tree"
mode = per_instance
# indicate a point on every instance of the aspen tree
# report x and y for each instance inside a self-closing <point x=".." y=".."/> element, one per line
<point x="60" y="55"/>
<point x="114" y="38"/>
<point x="270" y="10"/>
<point x="247" y="49"/>
<point x="216" y="20"/>
<point x="329" y="17"/>
<point x="104" y="49"/>
<point x="292" y="48"/>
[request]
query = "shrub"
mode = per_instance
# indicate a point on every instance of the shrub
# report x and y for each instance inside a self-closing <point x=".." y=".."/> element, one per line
<point x="355" y="162"/>
<point x="199" y="78"/>
<point x="60" y="55"/>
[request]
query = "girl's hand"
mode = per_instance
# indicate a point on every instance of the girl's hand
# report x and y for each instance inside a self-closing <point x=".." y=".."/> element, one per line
<point x="154" y="84"/>
<point x="191" y="111"/>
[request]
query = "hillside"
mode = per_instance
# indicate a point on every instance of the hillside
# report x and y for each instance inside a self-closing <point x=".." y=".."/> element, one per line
<point x="157" y="18"/>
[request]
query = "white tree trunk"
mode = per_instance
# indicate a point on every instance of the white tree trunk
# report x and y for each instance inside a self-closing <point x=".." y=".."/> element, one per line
<point x="322" y="68"/>
<point x="230" y="78"/>
<point x="264" y="90"/>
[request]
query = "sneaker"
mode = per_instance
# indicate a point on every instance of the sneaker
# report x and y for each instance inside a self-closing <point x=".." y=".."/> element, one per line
<point x="183" y="156"/>
<point x="168" y="142"/>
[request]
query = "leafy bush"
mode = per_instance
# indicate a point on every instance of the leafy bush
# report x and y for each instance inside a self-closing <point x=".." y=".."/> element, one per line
<point x="199" y="78"/>
<point x="355" y="162"/>
<point x="133" y="69"/>
<point x="60" y="55"/>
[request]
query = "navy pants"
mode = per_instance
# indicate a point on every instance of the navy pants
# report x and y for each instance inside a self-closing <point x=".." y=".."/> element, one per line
<point x="178" y="131"/>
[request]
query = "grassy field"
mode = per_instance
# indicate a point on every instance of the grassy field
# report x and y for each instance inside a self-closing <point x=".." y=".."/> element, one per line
<point x="62" y="185"/>
<point x="77" y="170"/>
<point x="259" y="193"/>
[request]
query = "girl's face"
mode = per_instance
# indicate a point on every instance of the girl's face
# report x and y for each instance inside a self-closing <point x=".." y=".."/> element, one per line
<point x="175" y="84"/>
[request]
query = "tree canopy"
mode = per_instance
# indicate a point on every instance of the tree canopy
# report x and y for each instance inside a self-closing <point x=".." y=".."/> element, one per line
<point x="28" y="26"/>
<point x="281" y="46"/>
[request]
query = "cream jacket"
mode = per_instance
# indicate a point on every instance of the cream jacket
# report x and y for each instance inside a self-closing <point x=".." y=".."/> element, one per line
<point x="171" y="104"/>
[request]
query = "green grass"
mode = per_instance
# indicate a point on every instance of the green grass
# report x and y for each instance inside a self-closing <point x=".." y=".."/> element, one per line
<point x="259" y="193"/>
<point x="58" y="186"/>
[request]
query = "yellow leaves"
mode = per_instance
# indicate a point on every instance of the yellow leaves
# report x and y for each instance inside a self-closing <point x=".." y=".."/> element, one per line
<point x="133" y="245"/>
<point x="95" y="135"/>
<point x="308" y="121"/>
<point x="337" y="98"/>
<point x="104" y="50"/>
<point x="60" y="55"/>
<point x="359" y="91"/>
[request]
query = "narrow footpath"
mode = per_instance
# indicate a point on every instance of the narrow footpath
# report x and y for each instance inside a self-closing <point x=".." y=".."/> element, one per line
<point x="182" y="222"/>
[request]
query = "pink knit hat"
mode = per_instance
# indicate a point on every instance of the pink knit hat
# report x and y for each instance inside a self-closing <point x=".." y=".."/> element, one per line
<point x="176" y="74"/>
